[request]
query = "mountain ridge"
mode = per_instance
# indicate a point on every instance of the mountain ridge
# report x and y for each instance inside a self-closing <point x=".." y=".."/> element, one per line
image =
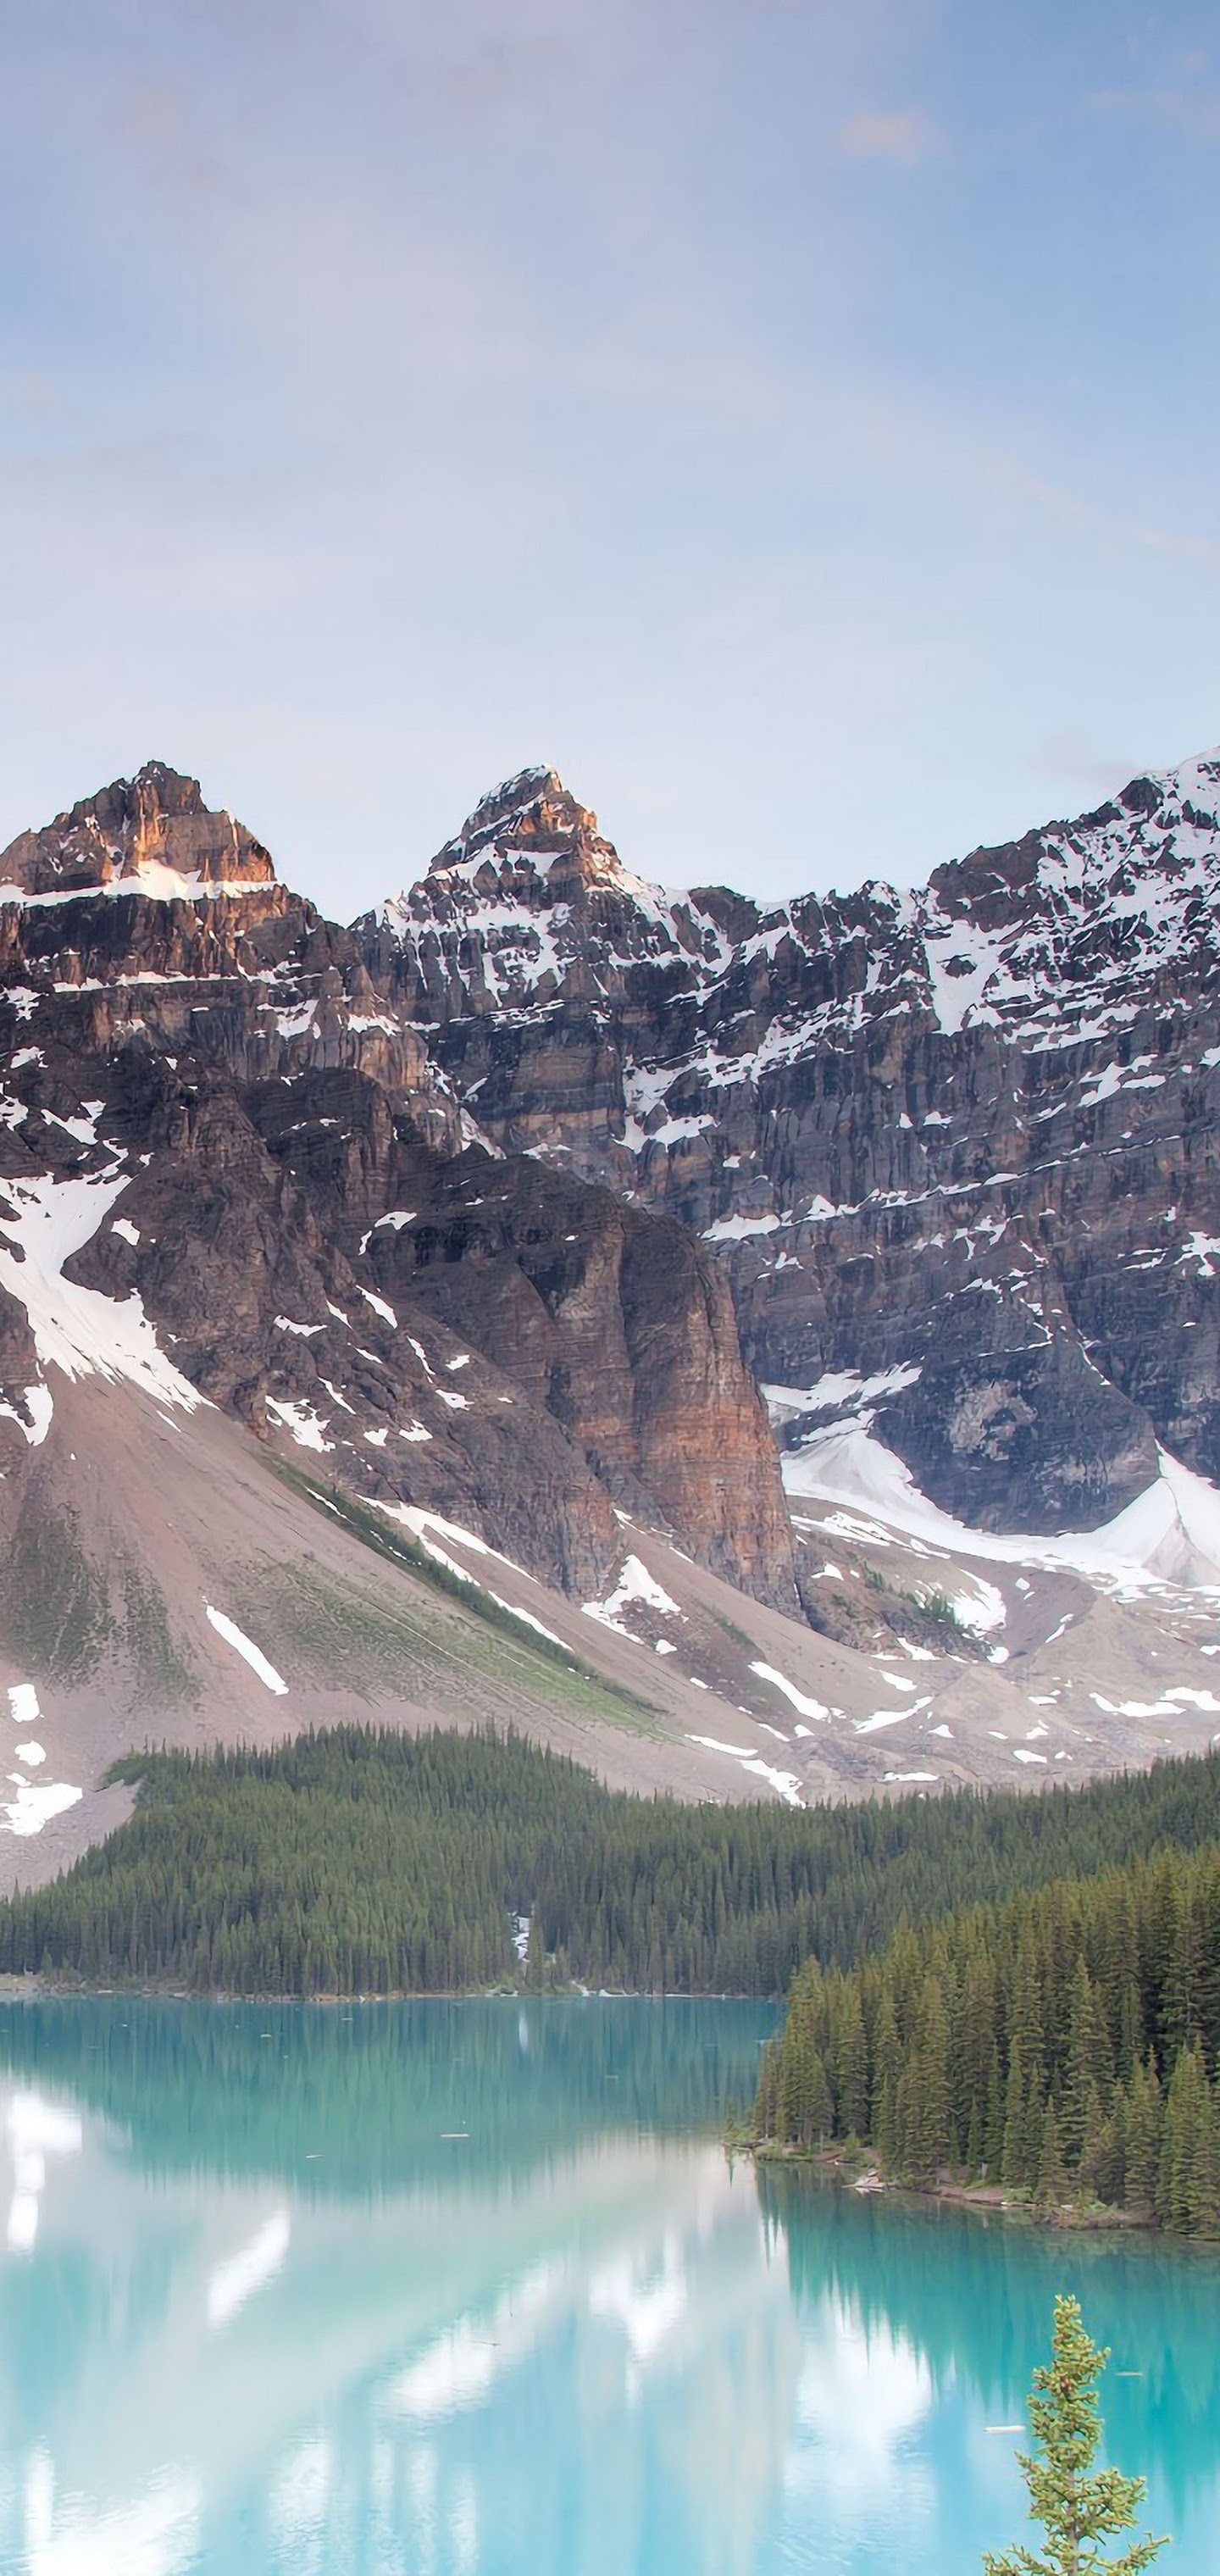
<point x="490" y="1214"/>
<point x="797" y="1083"/>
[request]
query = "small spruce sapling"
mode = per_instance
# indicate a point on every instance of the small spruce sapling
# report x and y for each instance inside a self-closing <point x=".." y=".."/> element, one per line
<point x="1079" y="2508"/>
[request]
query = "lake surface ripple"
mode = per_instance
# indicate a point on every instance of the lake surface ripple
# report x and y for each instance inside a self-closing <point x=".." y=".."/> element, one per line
<point x="472" y="2290"/>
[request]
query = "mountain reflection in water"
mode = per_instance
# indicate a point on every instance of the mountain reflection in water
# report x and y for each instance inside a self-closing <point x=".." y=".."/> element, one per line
<point x="472" y="2290"/>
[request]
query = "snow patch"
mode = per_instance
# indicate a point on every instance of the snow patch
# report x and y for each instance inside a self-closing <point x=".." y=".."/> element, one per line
<point x="36" y="1802"/>
<point x="306" y="1426"/>
<point x="77" y="1329"/>
<point x="785" y="1783"/>
<point x="244" y="1646"/>
<point x="804" y="1706"/>
<point x="380" y="1307"/>
<point x="635" y="1583"/>
<point x="835" y="1389"/>
<point x="40" y="1406"/>
<point x="1169" y="1534"/>
<point x="735" y="1229"/>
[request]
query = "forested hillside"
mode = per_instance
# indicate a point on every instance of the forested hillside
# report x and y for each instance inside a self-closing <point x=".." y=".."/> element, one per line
<point x="360" y="1862"/>
<point x="1063" y="2045"/>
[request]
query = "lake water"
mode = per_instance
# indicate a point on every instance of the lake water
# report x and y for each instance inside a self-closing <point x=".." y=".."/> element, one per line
<point x="470" y="2290"/>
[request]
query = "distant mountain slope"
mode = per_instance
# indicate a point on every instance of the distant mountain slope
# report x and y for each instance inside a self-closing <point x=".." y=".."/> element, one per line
<point x="458" y="1215"/>
<point x="956" y="1148"/>
<point x="211" y="1127"/>
<point x="164" y="1578"/>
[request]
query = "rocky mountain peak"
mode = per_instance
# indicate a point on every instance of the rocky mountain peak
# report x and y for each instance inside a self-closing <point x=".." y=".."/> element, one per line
<point x="965" y="1130"/>
<point x="154" y="829"/>
<point x="1162" y="826"/>
<point x="532" y="818"/>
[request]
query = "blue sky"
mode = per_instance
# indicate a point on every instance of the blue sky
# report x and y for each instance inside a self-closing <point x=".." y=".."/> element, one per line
<point x="795" y="420"/>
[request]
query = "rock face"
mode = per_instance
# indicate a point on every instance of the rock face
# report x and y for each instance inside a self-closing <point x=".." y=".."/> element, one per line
<point x="145" y="830"/>
<point x="620" y="1326"/>
<point x="474" y="1206"/>
<point x="230" y="1170"/>
<point x="954" y="1148"/>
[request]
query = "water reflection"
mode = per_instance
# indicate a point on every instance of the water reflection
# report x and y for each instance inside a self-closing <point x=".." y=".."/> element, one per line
<point x="471" y="2291"/>
<point x="974" y="2299"/>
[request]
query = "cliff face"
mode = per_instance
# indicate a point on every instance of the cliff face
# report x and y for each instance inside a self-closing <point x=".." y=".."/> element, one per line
<point x="468" y="1211"/>
<point x="212" y="1127"/>
<point x="143" y="833"/>
<point x="621" y="1326"/>
<point x="955" y="1149"/>
<point x="481" y="1200"/>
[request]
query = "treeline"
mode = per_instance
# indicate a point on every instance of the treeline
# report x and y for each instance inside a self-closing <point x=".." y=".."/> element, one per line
<point x="1064" y="2046"/>
<point x="362" y="1862"/>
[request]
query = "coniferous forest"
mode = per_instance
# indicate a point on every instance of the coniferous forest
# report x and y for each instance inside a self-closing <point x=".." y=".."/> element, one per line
<point x="1063" y="2046"/>
<point x="362" y="1862"/>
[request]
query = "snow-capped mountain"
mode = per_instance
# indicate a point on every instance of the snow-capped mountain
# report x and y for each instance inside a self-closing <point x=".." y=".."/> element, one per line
<point x="958" y="1142"/>
<point x="210" y="1111"/>
<point x="448" y="1231"/>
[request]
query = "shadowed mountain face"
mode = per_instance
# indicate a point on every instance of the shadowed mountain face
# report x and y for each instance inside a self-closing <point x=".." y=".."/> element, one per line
<point x="950" y="1154"/>
<point x="961" y="1140"/>
<point x="473" y="1229"/>
<point x="228" y="1164"/>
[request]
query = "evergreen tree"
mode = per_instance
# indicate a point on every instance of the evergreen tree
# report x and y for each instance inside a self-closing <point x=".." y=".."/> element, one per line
<point x="1052" y="2180"/>
<point x="887" y="2069"/>
<point x="851" y="2069"/>
<point x="1203" y="2180"/>
<point x="1142" y="2151"/>
<point x="1080" y="2509"/>
<point x="930" y="2128"/>
<point x="1187" y="2117"/>
<point x="1086" y="2049"/>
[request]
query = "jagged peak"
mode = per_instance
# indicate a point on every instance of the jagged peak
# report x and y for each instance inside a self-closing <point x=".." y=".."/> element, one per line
<point x="152" y="827"/>
<point x="1163" y="823"/>
<point x="535" y="817"/>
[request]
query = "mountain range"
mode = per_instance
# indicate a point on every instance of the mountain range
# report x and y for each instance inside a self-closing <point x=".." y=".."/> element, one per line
<point x="669" y="1321"/>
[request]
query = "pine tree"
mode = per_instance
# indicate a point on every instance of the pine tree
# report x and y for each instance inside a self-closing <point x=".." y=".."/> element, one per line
<point x="1052" y="2182"/>
<point x="1203" y="2180"/>
<point x="1187" y="2113"/>
<point x="851" y="2068"/>
<point x="1085" y="2064"/>
<point x="1097" y="2160"/>
<point x="1014" y="2171"/>
<point x="887" y="2067"/>
<point x="929" y="2107"/>
<point x="1079" y="2508"/>
<point x="1143" y="2135"/>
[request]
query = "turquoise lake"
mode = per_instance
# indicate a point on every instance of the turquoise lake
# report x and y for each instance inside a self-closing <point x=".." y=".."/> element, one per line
<point x="471" y="2290"/>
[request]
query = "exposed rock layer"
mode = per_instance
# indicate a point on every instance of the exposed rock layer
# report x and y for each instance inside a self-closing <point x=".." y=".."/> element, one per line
<point x="209" y="1114"/>
<point x="961" y="1139"/>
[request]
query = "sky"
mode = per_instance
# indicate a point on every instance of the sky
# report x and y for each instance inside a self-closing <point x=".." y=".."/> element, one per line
<point x="795" y="422"/>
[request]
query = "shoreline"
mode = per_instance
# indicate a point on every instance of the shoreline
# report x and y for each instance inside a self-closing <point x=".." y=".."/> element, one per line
<point x="35" y="1988"/>
<point x="986" y="2200"/>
